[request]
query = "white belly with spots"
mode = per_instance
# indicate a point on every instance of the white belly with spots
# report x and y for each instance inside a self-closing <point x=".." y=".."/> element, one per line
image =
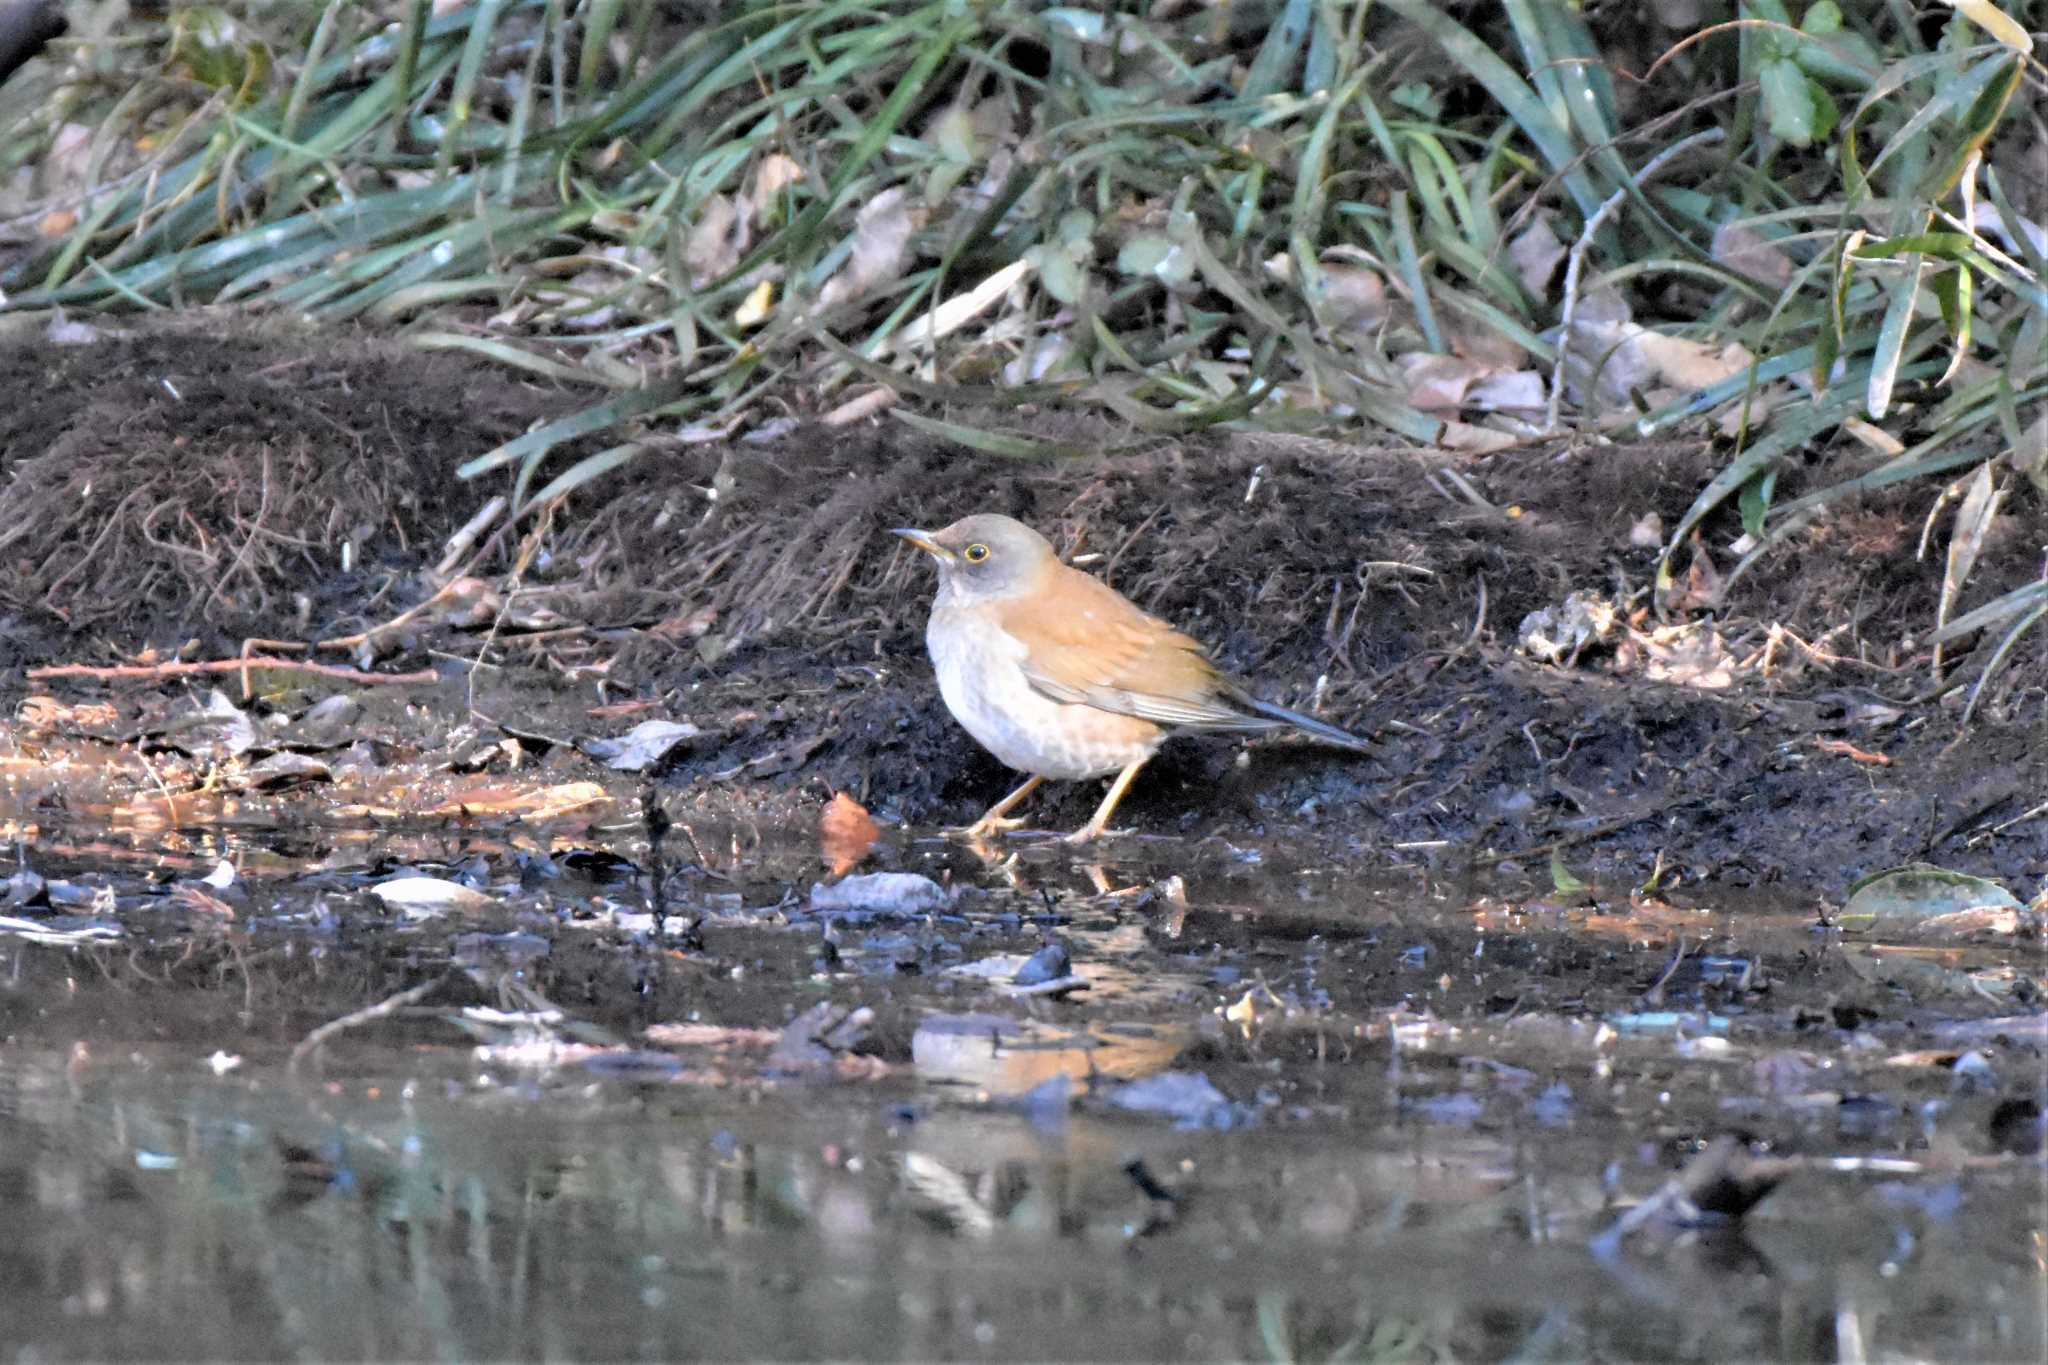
<point x="981" y="678"/>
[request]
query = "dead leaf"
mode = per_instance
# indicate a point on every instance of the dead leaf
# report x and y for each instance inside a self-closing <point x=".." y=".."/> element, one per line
<point x="425" y="897"/>
<point x="642" y="747"/>
<point x="2030" y="456"/>
<point x="1475" y="440"/>
<point x="69" y="157"/>
<point x="756" y="307"/>
<point x="860" y="407"/>
<point x="1536" y="252"/>
<point x="200" y="901"/>
<point x="1249" y="1008"/>
<point x="845" y="834"/>
<point x="469" y="603"/>
<point x="1000" y="1055"/>
<point x="619" y="710"/>
<point x="775" y="174"/>
<point x="821" y="1036"/>
<point x="1689" y="364"/>
<point x="1600" y="369"/>
<point x="1685" y="658"/>
<point x="1875" y="438"/>
<point x="881" y="241"/>
<point x="1354" y="298"/>
<point x="690" y="625"/>
<point x="957" y="311"/>
<point x="1519" y="392"/>
<point x="281" y="770"/>
<point x="1557" y="634"/>
<point x="1438" y="383"/>
<point x="1742" y="414"/>
<point x="715" y="243"/>
<point x="537" y="803"/>
<point x="1494" y="348"/>
<point x="1752" y="255"/>
<point x="1973" y="522"/>
<point x="1702" y="587"/>
<point x="47" y="713"/>
<point x="711" y="1035"/>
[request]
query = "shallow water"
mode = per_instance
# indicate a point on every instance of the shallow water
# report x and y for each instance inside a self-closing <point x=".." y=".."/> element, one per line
<point x="1402" y="1121"/>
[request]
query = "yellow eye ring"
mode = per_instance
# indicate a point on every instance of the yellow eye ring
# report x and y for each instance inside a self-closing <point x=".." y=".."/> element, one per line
<point x="974" y="554"/>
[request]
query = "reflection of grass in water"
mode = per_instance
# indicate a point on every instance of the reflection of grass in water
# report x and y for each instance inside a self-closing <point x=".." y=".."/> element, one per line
<point x="440" y="1232"/>
<point x="1288" y="1333"/>
<point x="170" y="1210"/>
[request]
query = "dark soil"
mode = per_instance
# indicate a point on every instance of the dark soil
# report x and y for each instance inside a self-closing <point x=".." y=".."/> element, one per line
<point x="199" y="483"/>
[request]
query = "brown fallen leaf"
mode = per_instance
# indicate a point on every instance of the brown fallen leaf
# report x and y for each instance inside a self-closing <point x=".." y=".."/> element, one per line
<point x="201" y="902"/>
<point x="691" y="625"/>
<point x="1438" y="383"/>
<point x="619" y="710"/>
<point x="1739" y="246"/>
<point x="845" y="834"/>
<point x="525" y="802"/>
<point x="715" y="243"/>
<point x="47" y="713"/>
<point x="1702" y="586"/>
<point x="1475" y="440"/>
<point x="711" y="1035"/>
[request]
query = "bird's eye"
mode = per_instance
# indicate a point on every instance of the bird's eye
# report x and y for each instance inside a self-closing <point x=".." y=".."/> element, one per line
<point x="975" y="553"/>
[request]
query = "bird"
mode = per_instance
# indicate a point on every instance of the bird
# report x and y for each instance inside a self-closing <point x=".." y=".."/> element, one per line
<point x="1060" y="676"/>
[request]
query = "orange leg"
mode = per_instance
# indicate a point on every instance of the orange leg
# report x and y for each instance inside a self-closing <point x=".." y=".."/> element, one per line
<point x="1098" y="824"/>
<point x="993" y="822"/>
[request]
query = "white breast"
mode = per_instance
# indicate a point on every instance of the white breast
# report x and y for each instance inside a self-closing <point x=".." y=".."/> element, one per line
<point x="982" y="680"/>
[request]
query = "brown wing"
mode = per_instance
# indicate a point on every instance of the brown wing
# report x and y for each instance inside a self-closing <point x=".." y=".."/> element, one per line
<point x="1087" y="644"/>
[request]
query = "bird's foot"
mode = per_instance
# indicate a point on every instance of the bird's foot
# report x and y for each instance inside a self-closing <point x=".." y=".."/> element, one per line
<point x="984" y="829"/>
<point x="1090" y="832"/>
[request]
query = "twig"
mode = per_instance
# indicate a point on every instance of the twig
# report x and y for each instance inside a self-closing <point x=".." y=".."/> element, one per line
<point x="180" y="668"/>
<point x="528" y="548"/>
<point x="2021" y="818"/>
<point x="1654" y="996"/>
<point x="362" y="1016"/>
<point x="170" y="801"/>
<point x="1478" y="619"/>
<point x="1575" y="260"/>
<point x="248" y="541"/>
<point x="249" y="647"/>
<point x="460" y="543"/>
<point x="364" y="636"/>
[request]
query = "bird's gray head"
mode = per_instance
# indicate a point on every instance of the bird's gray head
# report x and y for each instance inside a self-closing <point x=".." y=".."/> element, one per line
<point x="985" y="557"/>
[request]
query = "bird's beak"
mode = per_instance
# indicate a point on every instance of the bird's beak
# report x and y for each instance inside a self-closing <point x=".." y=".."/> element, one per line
<point x="923" y="541"/>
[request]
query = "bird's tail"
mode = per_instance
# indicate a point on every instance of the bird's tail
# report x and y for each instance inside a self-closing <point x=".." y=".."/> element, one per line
<point x="1308" y="725"/>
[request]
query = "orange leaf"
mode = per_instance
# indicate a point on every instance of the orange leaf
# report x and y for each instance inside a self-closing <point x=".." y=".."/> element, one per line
<point x="845" y="834"/>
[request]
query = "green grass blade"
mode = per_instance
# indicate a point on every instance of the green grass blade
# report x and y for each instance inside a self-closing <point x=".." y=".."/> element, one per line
<point x="992" y="442"/>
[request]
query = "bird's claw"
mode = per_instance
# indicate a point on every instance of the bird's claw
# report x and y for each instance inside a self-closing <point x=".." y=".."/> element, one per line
<point x="982" y="830"/>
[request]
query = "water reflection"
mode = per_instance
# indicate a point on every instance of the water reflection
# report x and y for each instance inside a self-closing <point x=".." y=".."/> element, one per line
<point x="1425" y="1114"/>
<point x="161" y="1209"/>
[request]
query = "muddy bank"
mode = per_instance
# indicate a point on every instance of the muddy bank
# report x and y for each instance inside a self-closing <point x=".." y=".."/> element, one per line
<point x="196" y="488"/>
